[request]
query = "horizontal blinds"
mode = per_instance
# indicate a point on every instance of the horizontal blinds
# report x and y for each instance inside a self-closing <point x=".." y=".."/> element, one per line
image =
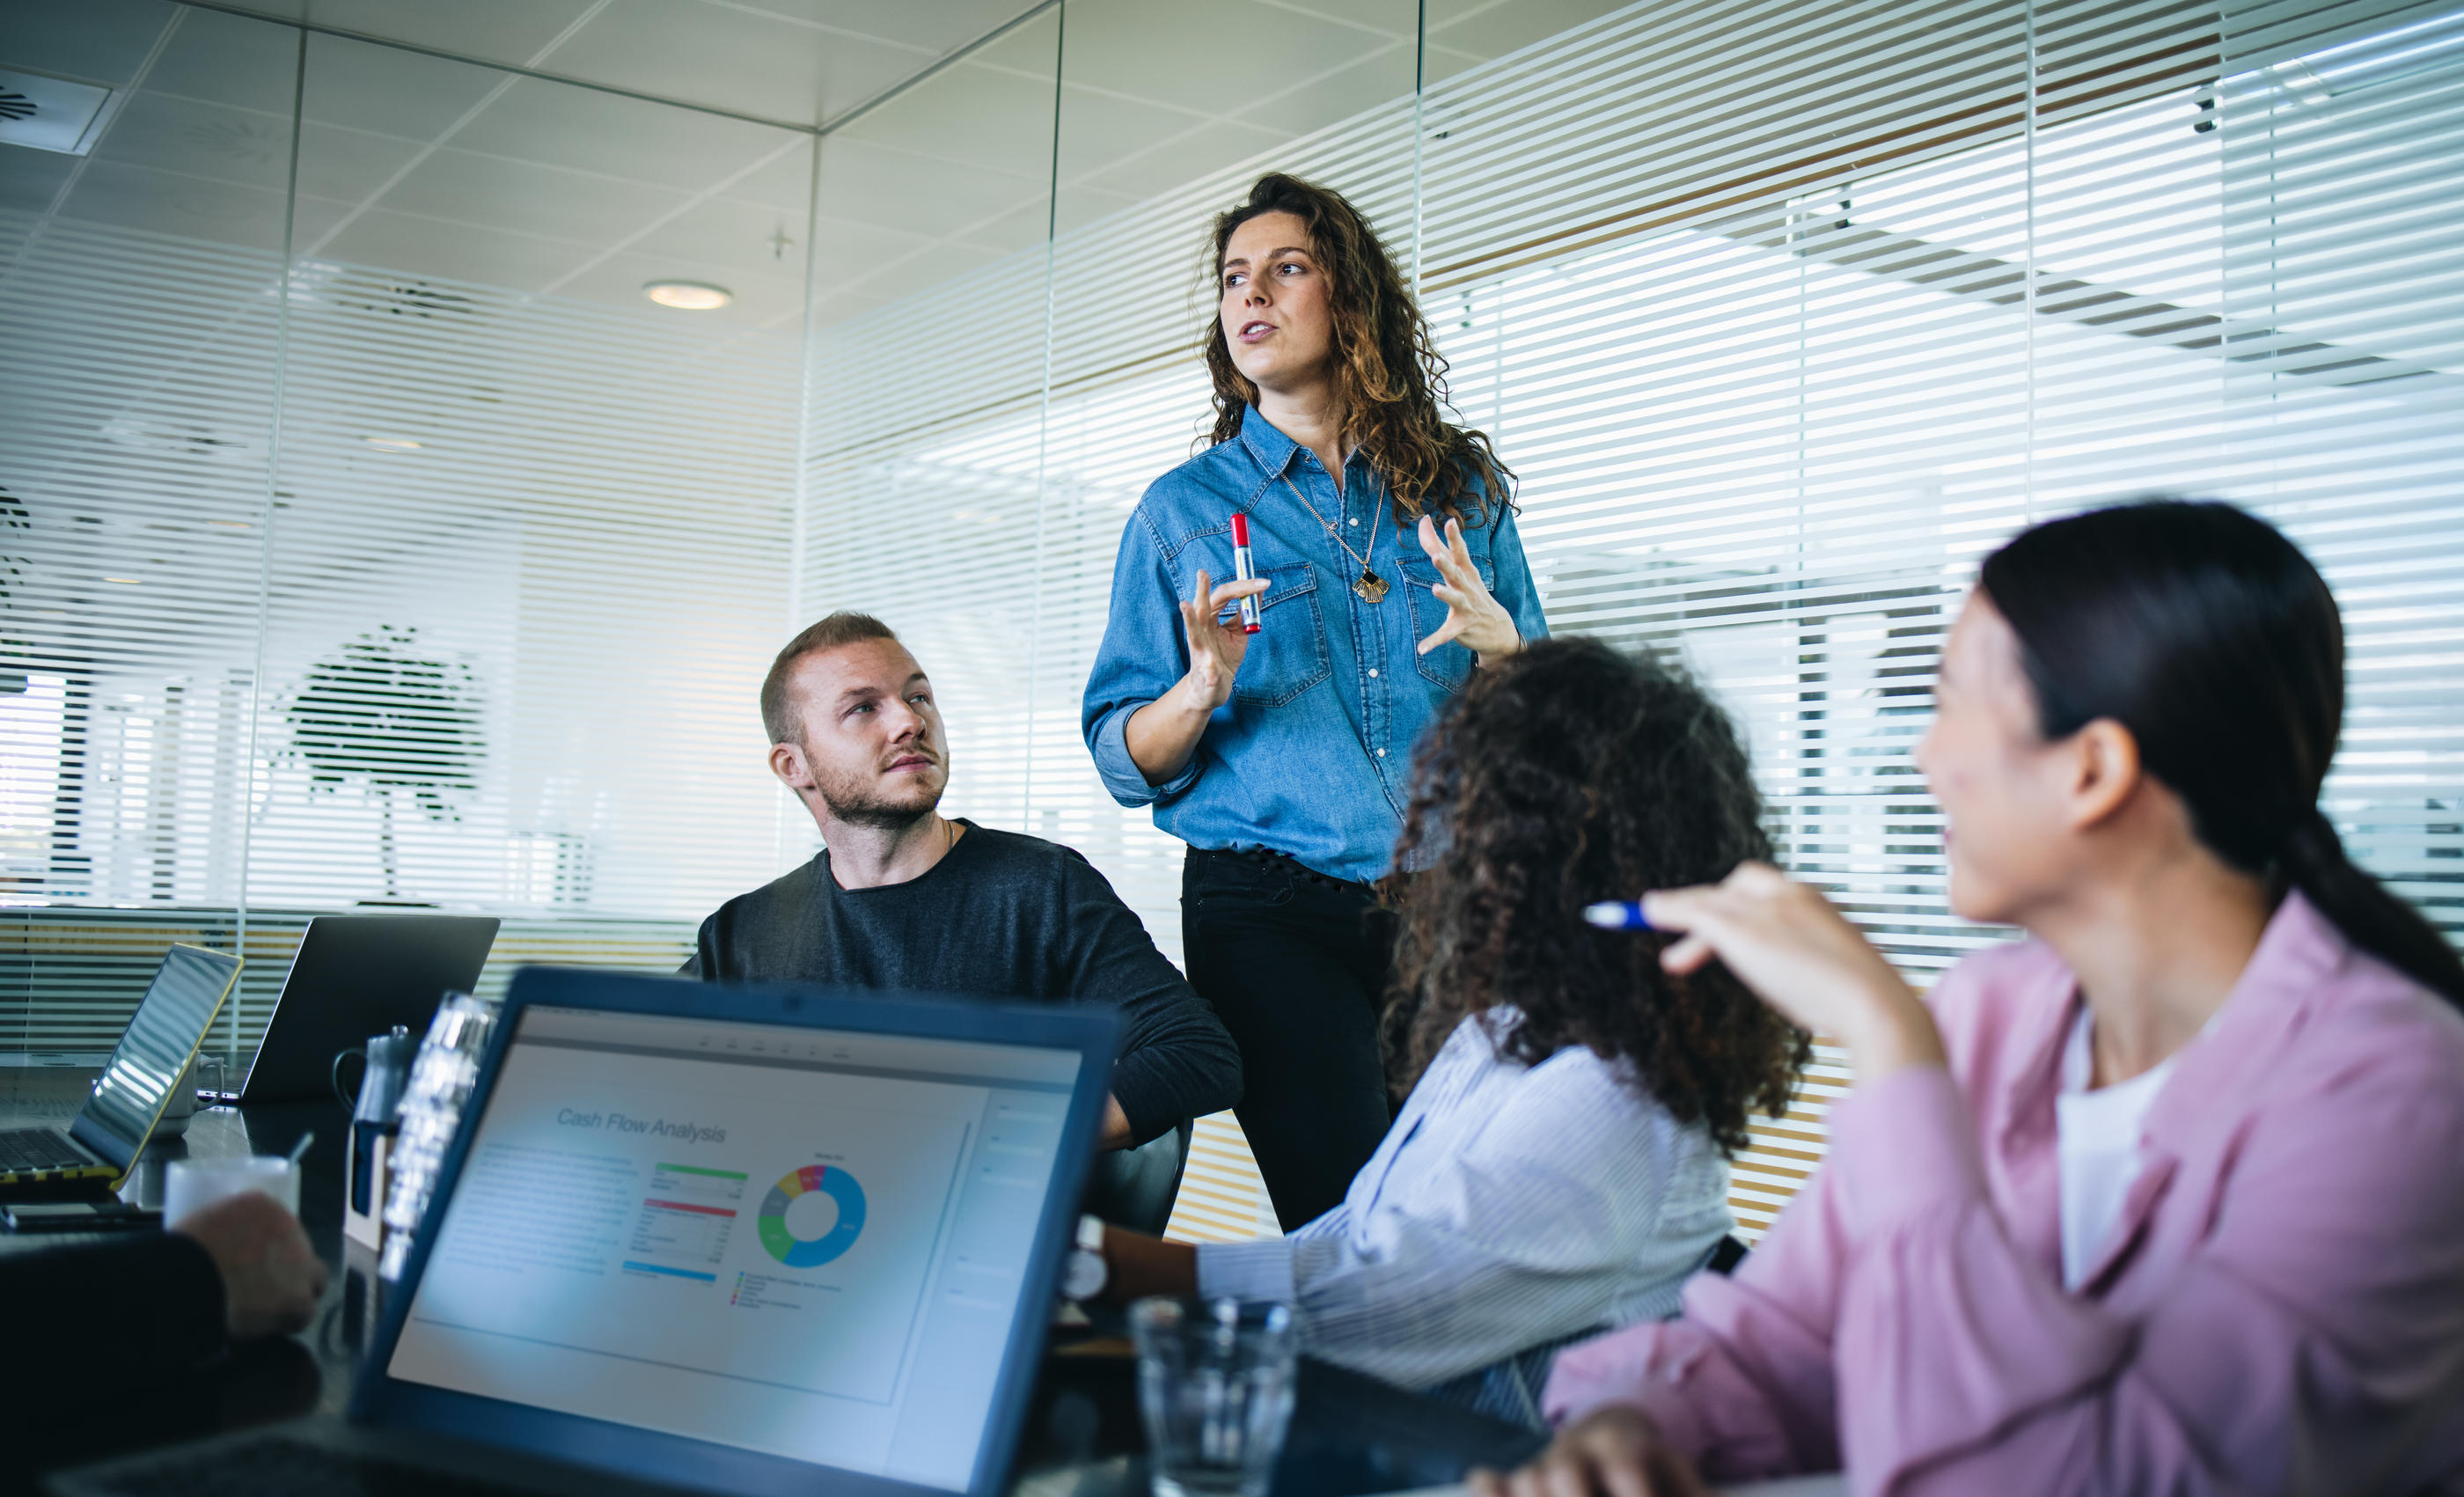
<point x="329" y="583"/>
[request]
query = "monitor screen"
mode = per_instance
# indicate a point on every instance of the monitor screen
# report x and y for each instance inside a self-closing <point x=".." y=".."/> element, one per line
<point x="155" y="1050"/>
<point x="808" y="1242"/>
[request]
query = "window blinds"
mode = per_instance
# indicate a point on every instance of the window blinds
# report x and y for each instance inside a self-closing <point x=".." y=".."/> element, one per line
<point x="1786" y="315"/>
<point x="332" y="583"/>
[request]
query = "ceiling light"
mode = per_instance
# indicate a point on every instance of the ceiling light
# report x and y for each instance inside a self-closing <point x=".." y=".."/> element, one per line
<point x="687" y="296"/>
<point x="391" y="443"/>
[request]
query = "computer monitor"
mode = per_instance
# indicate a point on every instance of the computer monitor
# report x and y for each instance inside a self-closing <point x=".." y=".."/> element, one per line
<point x="726" y="1236"/>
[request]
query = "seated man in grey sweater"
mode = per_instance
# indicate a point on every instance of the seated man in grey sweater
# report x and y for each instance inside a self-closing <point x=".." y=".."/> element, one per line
<point x="903" y="897"/>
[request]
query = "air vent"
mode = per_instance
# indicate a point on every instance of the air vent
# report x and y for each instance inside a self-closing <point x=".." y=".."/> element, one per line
<point x="50" y="114"/>
<point x="402" y="298"/>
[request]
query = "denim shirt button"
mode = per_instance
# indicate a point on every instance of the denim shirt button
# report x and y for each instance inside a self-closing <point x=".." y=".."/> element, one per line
<point x="1382" y="753"/>
<point x="1373" y="673"/>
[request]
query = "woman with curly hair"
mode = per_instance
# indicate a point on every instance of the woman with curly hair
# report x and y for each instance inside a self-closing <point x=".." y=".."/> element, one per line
<point x="1561" y="1165"/>
<point x="1278" y="747"/>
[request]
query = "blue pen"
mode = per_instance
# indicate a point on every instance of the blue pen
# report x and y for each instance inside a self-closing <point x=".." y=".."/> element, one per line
<point x="1617" y="915"/>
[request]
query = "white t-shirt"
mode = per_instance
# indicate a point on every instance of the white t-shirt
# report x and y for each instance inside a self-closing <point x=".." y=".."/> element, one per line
<point x="2097" y="1145"/>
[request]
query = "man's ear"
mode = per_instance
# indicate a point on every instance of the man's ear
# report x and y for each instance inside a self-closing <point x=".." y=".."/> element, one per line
<point x="2106" y="772"/>
<point x="787" y="762"/>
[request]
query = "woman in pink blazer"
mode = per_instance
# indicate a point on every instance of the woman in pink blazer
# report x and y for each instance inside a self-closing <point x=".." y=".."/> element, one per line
<point x="2169" y="1197"/>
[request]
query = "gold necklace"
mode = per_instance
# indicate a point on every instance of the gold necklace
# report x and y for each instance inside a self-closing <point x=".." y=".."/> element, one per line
<point x="1371" y="587"/>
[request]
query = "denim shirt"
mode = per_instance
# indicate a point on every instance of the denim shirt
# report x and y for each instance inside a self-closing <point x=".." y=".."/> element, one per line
<point x="1313" y="754"/>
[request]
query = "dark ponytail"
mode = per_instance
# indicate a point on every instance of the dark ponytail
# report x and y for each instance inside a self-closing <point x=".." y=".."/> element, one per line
<point x="2215" y="642"/>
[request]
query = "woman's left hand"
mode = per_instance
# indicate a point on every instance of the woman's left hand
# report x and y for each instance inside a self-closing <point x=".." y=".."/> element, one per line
<point x="1783" y="940"/>
<point x="1472" y="616"/>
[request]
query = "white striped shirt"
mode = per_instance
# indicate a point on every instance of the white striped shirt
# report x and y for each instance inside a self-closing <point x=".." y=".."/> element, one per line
<point x="1509" y="1207"/>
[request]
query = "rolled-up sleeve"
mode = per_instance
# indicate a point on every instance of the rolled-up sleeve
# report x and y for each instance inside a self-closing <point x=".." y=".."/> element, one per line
<point x="1141" y="656"/>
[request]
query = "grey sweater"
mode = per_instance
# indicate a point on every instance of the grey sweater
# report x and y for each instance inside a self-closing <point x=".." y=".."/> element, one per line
<point x="1000" y="915"/>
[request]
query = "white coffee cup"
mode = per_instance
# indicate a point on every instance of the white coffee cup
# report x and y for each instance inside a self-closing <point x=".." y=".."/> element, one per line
<point x="191" y="1185"/>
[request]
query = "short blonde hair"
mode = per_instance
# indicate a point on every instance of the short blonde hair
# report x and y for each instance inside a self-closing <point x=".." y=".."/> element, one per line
<point x="843" y="627"/>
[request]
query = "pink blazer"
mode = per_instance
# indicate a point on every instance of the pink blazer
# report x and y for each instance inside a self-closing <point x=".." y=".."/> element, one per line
<point x="2281" y="1310"/>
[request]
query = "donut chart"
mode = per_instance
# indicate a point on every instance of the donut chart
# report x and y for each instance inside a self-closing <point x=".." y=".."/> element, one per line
<point x="797" y="1252"/>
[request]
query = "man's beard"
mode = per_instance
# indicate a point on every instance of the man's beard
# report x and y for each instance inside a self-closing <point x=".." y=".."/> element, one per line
<point x="859" y="802"/>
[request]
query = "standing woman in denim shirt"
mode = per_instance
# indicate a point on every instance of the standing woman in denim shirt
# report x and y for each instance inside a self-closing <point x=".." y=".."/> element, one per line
<point x="1282" y="757"/>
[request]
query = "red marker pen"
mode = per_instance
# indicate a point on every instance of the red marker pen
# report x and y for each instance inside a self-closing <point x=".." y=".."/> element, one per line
<point x="1242" y="570"/>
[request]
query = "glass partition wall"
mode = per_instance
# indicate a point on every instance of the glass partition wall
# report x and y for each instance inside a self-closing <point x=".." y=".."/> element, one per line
<point x="370" y="538"/>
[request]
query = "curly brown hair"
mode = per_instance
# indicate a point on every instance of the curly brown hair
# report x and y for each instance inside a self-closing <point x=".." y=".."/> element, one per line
<point x="1566" y="774"/>
<point x="1388" y="377"/>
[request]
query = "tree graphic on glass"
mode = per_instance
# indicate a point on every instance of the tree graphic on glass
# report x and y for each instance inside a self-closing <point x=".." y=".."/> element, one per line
<point x="397" y="721"/>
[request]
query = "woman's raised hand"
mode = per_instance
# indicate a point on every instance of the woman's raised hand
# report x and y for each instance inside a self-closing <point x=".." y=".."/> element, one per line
<point x="1215" y="649"/>
<point x="1472" y="616"/>
<point x="1783" y="940"/>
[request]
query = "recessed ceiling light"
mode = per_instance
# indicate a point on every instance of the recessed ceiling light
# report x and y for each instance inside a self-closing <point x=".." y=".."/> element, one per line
<point x="687" y="296"/>
<point x="391" y="443"/>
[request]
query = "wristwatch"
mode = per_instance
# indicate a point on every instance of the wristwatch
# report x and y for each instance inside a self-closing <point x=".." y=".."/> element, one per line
<point x="1086" y="1273"/>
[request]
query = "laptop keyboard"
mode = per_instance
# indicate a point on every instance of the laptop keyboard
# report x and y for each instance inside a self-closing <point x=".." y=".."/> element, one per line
<point x="24" y="1151"/>
<point x="275" y="1468"/>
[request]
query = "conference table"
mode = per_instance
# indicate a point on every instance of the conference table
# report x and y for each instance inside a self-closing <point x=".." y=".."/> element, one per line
<point x="1350" y="1433"/>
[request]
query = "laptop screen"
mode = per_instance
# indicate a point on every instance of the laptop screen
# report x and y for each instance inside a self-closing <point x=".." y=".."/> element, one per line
<point x="156" y="1047"/>
<point x="807" y="1242"/>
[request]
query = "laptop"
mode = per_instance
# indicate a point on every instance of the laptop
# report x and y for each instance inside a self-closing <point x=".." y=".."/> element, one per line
<point x="356" y="976"/>
<point x="699" y="1238"/>
<point x="154" y="1051"/>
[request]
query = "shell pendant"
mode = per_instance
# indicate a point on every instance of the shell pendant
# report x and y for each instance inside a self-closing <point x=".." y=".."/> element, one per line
<point x="1371" y="587"/>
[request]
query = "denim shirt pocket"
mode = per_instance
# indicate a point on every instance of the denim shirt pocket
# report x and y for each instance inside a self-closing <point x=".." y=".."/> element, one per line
<point x="1451" y="663"/>
<point x="1287" y="655"/>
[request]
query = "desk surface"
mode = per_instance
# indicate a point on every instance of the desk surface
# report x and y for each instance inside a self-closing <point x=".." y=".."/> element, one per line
<point x="1349" y="1434"/>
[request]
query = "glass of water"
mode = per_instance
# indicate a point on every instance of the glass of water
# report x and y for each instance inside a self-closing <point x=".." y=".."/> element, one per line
<point x="1214" y="1386"/>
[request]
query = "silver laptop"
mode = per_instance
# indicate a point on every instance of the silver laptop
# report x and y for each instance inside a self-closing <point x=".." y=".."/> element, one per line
<point x="130" y="1096"/>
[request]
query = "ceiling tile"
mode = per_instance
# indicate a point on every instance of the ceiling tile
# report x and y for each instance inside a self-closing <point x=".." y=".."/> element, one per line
<point x="494" y="31"/>
<point x="1217" y="56"/>
<point x="566" y="126"/>
<point x="413" y="245"/>
<point x="1381" y="75"/>
<point x="526" y="198"/>
<point x="759" y="297"/>
<point x="984" y="116"/>
<point x="922" y="271"/>
<point x="1098" y="130"/>
<point x="162" y="201"/>
<point x="230" y="60"/>
<point x="846" y="252"/>
<point x="721" y="237"/>
<point x="941" y="27"/>
<point x="202" y="140"/>
<point x="1174" y="163"/>
<point x="785" y="183"/>
<point x="349" y="164"/>
<point x="1398" y="20"/>
<point x="29" y="179"/>
<point x="732" y="60"/>
<point x="391" y="92"/>
<point x="1494" y="29"/>
<point x="104" y="40"/>
<point x="1026" y="52"/>
<point x="897" y="189"/>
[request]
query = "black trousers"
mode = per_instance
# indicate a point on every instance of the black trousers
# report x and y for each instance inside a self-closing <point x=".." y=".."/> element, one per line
<point x="1296" y="967"/>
